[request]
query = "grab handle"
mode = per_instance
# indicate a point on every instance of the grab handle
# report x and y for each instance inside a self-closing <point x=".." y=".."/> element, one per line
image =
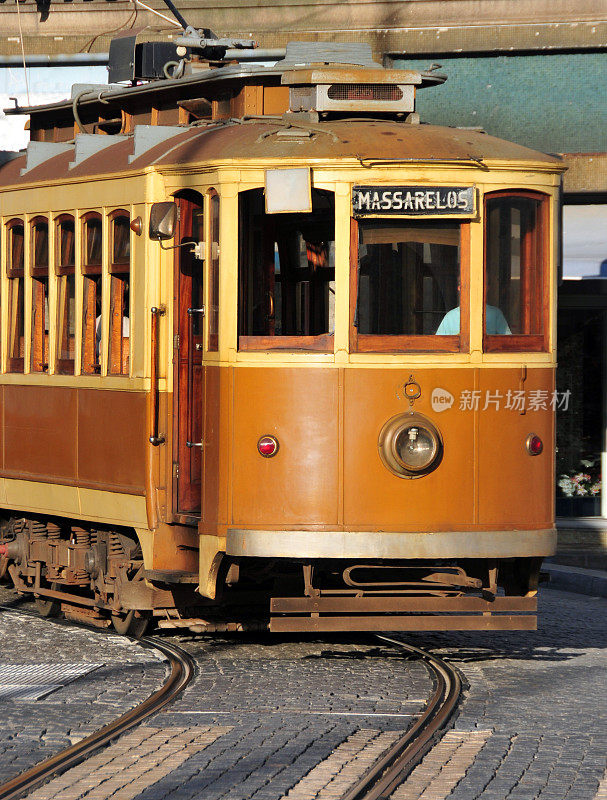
<point x="155" y="439"/>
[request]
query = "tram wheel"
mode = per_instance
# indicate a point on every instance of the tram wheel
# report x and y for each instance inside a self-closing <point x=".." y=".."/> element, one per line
<point x="130" y="625"/>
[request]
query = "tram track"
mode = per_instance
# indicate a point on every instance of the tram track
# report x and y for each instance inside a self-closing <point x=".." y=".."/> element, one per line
<point x="379" y="781"/>
<point x="182" y="667"/>
<point x="383" y="777"/>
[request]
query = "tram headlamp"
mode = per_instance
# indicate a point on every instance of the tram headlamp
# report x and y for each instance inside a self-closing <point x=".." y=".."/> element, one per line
<point x="410" y="445"/>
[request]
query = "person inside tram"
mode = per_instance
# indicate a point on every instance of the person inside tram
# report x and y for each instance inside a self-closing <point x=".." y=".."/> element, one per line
<point x="495" y="321"/>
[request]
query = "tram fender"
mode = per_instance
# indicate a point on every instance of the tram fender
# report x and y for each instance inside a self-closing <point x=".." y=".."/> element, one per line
<point x="211" y="553"/>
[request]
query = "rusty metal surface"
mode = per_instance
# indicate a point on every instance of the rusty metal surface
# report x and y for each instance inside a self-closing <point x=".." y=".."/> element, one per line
<point x="355" y="605"/>
<point x="425" y="26"/>
<point x="377" y="140"/>
<point x="405" y="623"/>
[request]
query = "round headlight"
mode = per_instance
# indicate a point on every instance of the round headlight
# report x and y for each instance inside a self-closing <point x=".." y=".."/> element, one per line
<point x="415" y="447"/>
<point x="410" y="445"/>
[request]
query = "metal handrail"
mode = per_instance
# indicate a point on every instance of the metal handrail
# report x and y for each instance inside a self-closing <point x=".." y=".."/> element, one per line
<point x="155" y="439"/>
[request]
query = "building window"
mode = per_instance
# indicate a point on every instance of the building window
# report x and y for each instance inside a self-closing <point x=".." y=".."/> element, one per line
<point x="15" y="241"/>
<point x="92" y="293"/>
<point x="120" y="265"/>
<point x="409" y="286"/>
<point x="66" y="293"/>
<point x="286" y="275"/>
<point x="213" y="257"/>
<point x="39" y="259"/>
<point x="516" y="275"/>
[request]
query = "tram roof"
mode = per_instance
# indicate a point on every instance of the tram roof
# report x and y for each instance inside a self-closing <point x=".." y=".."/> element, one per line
<point x="369" y="141"/>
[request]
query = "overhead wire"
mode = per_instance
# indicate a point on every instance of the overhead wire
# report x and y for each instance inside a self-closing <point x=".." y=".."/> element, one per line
<point x="157" y="13"/>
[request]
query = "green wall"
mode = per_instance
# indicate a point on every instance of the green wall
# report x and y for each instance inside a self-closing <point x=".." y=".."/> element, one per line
<point x="556" y="103"/>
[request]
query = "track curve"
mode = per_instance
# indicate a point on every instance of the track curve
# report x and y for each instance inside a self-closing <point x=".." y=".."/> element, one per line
<point x="182" y="670"/>
<point x="381" y="780"/>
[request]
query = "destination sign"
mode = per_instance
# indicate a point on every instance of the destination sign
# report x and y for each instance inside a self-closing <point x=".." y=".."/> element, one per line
<point x="413" y="200"/>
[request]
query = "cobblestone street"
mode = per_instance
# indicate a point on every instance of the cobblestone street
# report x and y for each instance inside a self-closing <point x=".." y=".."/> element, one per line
<point x="274" y="717"/>
<point x="83" y="678"/>
<point x="542" y="696"/>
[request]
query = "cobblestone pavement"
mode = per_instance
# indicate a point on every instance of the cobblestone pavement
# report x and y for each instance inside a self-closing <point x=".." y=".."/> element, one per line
<point x="83" y="679"/>
<point x="538" y="702"/>
<point x="281" y="719"/>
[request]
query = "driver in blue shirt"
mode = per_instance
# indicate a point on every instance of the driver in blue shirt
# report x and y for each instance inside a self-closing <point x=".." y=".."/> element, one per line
<point x="495" y="322"/>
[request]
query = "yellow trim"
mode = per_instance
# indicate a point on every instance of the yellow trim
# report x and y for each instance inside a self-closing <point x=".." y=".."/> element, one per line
<point x="114" y="382"/>
<point x="71" y="501"/>
<point x="422" y="170"/>
<point x="152" y="268"/>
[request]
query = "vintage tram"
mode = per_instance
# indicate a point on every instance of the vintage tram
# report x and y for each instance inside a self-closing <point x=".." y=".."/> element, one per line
<point x="274" y="352"/>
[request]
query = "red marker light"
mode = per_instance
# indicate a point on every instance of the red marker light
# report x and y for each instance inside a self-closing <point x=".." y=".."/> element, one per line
<point x="267" y="446"/>
<point x="534" y="444"/>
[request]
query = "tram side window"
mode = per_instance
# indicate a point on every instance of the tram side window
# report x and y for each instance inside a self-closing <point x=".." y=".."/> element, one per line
<point x="39" y="259"/>
<point x="15" y="241"/>
<point x="66" y="294"/>
<point x="92" y="293"/>
<point x="286" y="275"/>
<point x="408" y="285"/>
<point x="120" y="271"/>
<point x="515" y="271"/>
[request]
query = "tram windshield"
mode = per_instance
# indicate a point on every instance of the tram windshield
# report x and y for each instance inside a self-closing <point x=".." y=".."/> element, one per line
<point x="286" y="274"/>
<point x="408" y="276"/>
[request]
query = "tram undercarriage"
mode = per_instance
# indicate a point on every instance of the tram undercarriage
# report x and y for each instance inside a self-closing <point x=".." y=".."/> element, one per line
<point x="97" y="576"/>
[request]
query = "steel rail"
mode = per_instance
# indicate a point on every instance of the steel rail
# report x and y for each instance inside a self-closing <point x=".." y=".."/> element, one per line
<point x="182" y="671"/>
<point x="383" y="777"/>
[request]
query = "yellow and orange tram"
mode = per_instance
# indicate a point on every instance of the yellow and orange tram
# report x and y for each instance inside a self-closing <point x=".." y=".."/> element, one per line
<point x="274" y="352"/>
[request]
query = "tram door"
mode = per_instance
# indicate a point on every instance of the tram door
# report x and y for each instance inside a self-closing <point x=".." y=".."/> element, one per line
<point x="189" y="321"/>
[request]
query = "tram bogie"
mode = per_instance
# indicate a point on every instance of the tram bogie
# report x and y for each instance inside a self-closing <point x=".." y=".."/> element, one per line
<point x="284" y="356"/>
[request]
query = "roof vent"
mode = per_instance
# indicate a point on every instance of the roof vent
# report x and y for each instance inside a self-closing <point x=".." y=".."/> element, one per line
<point x="148" y="136"/>
<point x="39" y="152"/>
<point x="365" y="91"/>
<point x="329" y="95"/>
<point x="351" y="88"/>
<point x="88" y="144"/>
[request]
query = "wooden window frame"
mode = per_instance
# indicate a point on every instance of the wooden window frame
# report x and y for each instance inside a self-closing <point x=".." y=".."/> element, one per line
<point x="38" y="337"/>
<point x="413" y="343"/>
<point x="67" y="269"/>
<point x="11" y="271"/>
<point x="64" y="366"/>
<point x="35" y="270"/>
<point x="522" y="342"/>
<point x="90" y="272"/>
<point x="118" y="267"/>
<point x="118" y="271"/>
<point x="316" y="343"/>
<point x="90" y="269"/>
<point x="15" y="364"/>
